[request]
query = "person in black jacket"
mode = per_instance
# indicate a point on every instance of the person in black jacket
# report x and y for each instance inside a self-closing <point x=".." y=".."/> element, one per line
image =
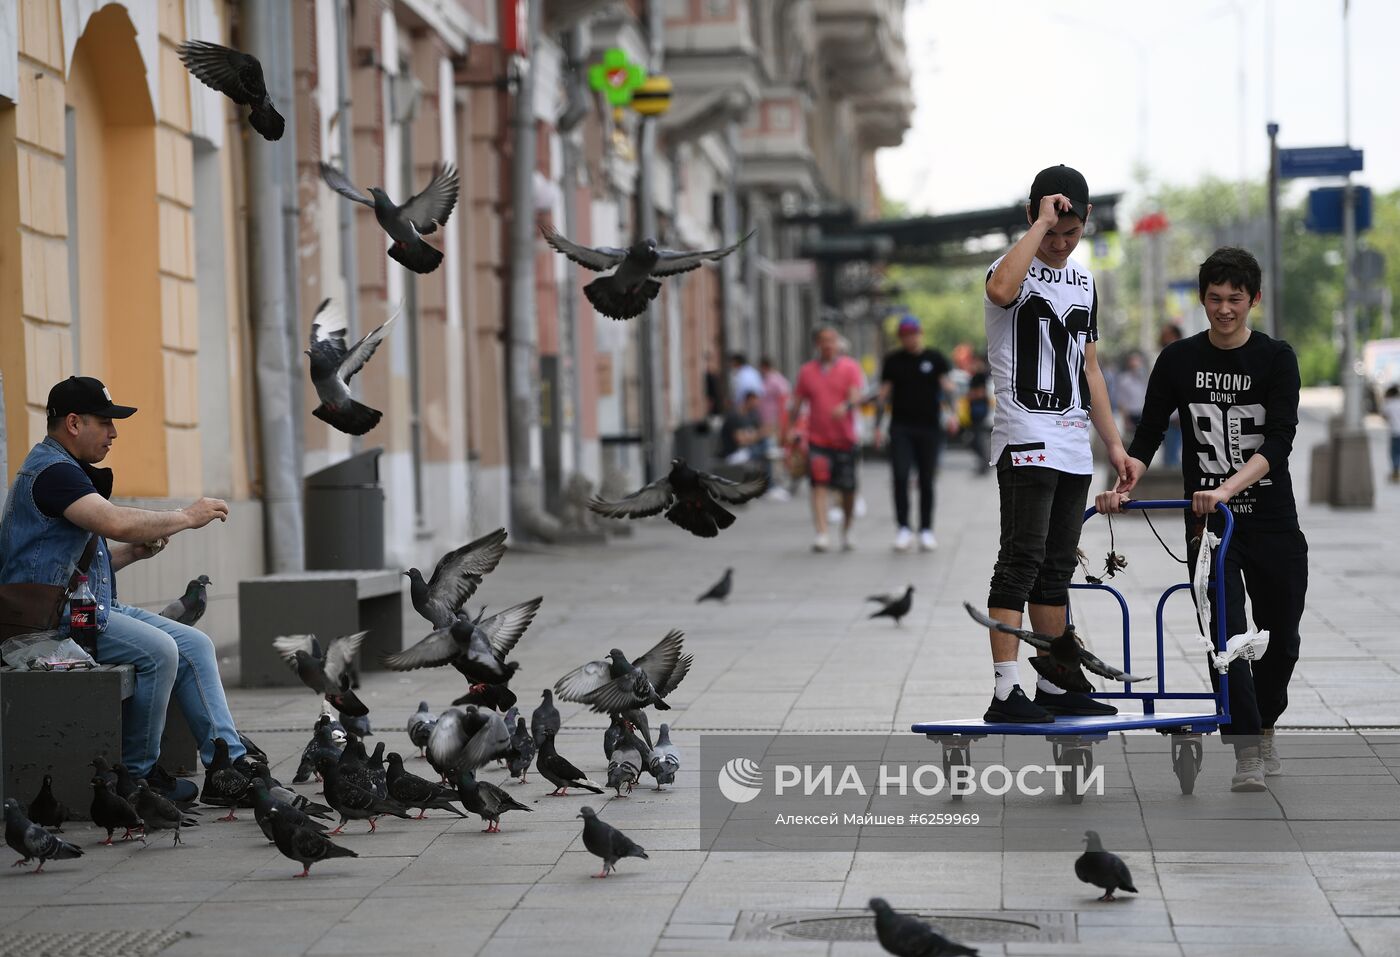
<point x="1236" y="392"/>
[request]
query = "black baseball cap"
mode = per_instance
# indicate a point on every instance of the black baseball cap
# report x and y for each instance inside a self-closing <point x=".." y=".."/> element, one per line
<point x="1061" y="179"/>
<point x="86" y="396"/>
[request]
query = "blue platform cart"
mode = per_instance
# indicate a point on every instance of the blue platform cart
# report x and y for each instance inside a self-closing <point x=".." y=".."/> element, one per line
<point x="1072" y="738"/>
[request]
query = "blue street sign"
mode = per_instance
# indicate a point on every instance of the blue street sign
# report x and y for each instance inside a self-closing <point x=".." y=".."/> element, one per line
<point x="1325" y="208"/>
<point x="1318" y="161"/>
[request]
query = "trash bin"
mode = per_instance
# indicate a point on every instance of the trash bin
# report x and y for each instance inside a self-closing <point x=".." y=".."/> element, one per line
<point x="344" y="518"/>
<point x="695" y="443"/>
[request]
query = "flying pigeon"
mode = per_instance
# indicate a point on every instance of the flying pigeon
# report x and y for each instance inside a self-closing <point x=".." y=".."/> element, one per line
<point x="894" y="606"/>
<point x="1067" y="654"/>
<point x="478" y="648"/>
<point x="617" y="684"/>
<point x="328" y="675"/>
<point x="627" y="291"/>
<point x="110" y="812"/>
<point x="545" y="717"/>
<point x="333" y="365"/>
<point x="29" y="840"/>
<point x="303" y="844"/>
<point x="467" y="738"/>
<point x="665" y="759"/>
<point x="690" y="498"/>
<point x="485" y="800"/>
<point x="605" y="841"/>
<point x="189" y="607"/>
<point x="412" y="791"/>
<point x="46" y="809"/>
<point x="906" y="936"/>
<point x="522" y="750"/>
<point x="720" y="590"/>
<point x="1102" y="868"/>
<point x="420" y="725"/>
<point x="157" y="813"/>
<point x="557" y="770"/>
<point x="352" y="802"/>
<point x="409" y="223"/>
<point x="494" y="697"/>
<point x="239" y="77"/>
<point x="456" y="578"/>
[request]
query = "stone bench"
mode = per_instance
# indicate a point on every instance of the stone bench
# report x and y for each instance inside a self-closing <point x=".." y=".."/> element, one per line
<point x="326" y="604"/>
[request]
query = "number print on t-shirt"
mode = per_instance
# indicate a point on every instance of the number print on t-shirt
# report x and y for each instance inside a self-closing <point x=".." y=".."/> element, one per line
<point x="1228" y="435"/>
<point x="1049" y="376"/>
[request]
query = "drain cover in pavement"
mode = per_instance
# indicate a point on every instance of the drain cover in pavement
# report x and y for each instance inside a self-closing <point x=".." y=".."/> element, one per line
<point x="984" y="927"/>
<point x="97" y="943"/>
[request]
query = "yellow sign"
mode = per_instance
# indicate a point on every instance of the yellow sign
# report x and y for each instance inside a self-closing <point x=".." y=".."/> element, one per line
<point x="653" y="97"/>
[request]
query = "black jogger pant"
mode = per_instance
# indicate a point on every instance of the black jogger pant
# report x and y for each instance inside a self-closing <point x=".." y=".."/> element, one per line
<point x="914" y="447"/>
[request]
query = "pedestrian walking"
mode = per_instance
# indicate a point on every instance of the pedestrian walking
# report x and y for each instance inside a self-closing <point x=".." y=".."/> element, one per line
<point x="830" y="387"/>
<point x="1391" y="408"/>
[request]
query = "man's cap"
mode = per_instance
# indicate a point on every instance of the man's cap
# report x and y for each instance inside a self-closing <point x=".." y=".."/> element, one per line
<point x="909" y="324"/>
<point x="1061" y="179"/>
<point x="86" y="396"/>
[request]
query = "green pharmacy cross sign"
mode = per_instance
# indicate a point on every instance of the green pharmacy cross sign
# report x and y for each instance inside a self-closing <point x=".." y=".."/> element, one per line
<point x="617" y="77"/>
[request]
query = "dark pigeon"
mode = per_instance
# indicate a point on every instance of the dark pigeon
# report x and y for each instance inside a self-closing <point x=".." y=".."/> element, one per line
<point x="495" y="697"/>
<point x="303" y="844"/>
<point x="894" y="606"/>
<point x="354" y="766"/>
<point x="605" y="841"/>
<point x="1103" y="868"/>
<point x="378" y="774"/>
<point x="29" y="840"/>
<point x="720" y="590"/>
<point x="126" y="784"/>
<point x="157" y="813"/>
<point x="254" y="753"/>
<point x="664" y="760"/>
<point x="357" y="725"/>
<point x="286" y="795"/>
<point x="627" y="291"/>
<point x="225" y="785"/>
<point x="545" y="717"/>
<point x="110" y="812"/>
<point x="102" y="769"/>
<point x="46" y="809"/>
<point x="467" y="738"/>
<point x="354" y="803"/>
<point x="557" y="770"/>
<point x="323" y="740"/>
<point x="412" y="791"/>
<point x="329" y="675"/>
<point x="409" y="223"/>
<point x="907" y="936"/>
<point x="455" y="578"/>
<point x="485" y="800"/>
<point x="264" y="802"/>
<point x="522" y="750"/>
<point x="239" y="77"/>
<point x="189" y="607"/>
<point x="478" y="649"/>
<point x="420" y="726"/>
<point x="1066" y="655"/>
<point x="333" y="365"/>
<point x="691" y="499"/>
<point x="616" y="684"/>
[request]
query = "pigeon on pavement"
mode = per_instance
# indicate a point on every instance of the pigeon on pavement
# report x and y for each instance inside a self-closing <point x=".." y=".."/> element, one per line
<point x="616" y="684"/>
<point x="468" y="738"/>
<point x="665" y="759"/>
<point x="894" y="606"/>
<point x="46" y="809"/>
<point x="323" y="740"/>
<point x="477" y="648"/>
<point x="605" y="841"/>
<point x="333" y="365"/>
<point x="157" y="813"/>
<point x="485" y="800"/>
<point x="225" y="785"/>
<point x="409" y="223"/>
<point x="378" y="774"/>
<point x="286" y="795"/>
<point x="1102" y="868"/>
<point x="301" y="843"/>
<point x="522" y="750"/>
<point x="720" y="590"/>
<point x="455" y="578"/>
<point x="420" y="726"/>
<point x="412" y="791"/>
<point x="625" y="765"/>
<point x="264" y="802"/>
<point x="328" y="675"/>
<point x="110" y="812"/>
<point x="126" y="784"/>
<point x="189" y="607"/>
<point x="29" y="840"/>
<point x="557" y="770"/>
<point x="545" y="717"/>
<point x="906" y="936"/>
<point x="690" y="498"/>
<point x="239" y="77"/>
<point x="102" y="769"/>
<point x="352" y="802"/>
<point x="627" y="291"/>
<point x="1066" y="654"/>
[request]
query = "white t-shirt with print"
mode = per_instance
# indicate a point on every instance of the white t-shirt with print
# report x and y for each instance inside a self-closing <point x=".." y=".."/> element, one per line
<point x="1035" y="347"/>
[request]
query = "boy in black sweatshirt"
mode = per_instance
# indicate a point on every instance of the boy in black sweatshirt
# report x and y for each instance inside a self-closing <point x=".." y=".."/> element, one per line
<point x="1236" y="392"/>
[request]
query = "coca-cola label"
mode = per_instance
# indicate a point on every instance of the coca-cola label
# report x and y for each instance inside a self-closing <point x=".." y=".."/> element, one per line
<point x="81" y="618"/>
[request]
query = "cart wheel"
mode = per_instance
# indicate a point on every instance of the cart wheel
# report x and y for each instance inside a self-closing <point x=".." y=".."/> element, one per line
<point x="1187" y="763"/>
<point x="955" y="756"/>
<point x="1074" y="758"/>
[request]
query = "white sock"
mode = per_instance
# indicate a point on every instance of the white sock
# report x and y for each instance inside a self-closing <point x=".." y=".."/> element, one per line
<point x="1049" y="687"/>
<point x="1008" y="676"/>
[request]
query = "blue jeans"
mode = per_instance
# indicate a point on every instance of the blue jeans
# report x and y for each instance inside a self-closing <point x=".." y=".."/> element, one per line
<point x="168" y="656"/>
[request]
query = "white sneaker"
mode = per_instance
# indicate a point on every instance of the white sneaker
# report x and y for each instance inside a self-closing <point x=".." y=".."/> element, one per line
<point x="903" y="539"/>
<point x="835" y="515"/>
<point x="821" y="543"/>
<point x="847" y="544"/>
<point x="860" y="506"/>
<point x="776" y="493"/>
<point x="1268" y="754"/>
<point x="927" y="542"/>
<point x="1249" y="771"/>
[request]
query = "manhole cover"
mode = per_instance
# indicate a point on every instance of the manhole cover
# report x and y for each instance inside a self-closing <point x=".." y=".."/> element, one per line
<point x="97" y="943"/>
<point x="982" y="927"/>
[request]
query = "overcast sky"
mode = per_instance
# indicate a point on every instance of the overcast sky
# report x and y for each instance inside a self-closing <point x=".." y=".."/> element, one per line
<point x="1005" y="87"/>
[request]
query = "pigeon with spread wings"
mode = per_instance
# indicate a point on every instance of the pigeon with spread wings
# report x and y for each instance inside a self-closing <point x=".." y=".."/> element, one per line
<point x="616" y="684"/>
<point x="477" y="647"/>
<point x="626" y="292"/>
<point x="1066" y="655"/>
<point x="409" y="223"/>
<point x="333" y="365"/>
<point x="237" y="76"/>
<point x="327" y="674"/>
<point x="455" y="579"/>
<point x="690" y="498"/>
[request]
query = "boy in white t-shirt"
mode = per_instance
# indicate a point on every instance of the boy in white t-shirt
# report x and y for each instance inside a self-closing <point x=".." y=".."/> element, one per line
<point x="1042" y="322"/>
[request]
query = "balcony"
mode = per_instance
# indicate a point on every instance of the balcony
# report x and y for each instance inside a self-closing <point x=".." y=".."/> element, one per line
<point x="774" y="149"/>
<point x="861" y="45"/>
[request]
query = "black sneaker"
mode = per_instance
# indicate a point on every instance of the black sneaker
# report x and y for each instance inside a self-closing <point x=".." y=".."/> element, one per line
<point x="1016" y="709"/>
<point x="1073" y="703"/>
<point x="175" y="790"/>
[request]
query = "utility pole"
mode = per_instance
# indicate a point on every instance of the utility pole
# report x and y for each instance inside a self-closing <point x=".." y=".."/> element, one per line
<point x="655" y="450"/>
<point x="1274" y="312"/>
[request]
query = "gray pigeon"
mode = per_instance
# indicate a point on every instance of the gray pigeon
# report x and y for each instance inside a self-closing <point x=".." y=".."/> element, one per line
<point x="157" y="813"/>
<point x="420" y="726"/>
<point x="522" y="750"/>
<point x="894" y="606"/>
<point x="485" y="800"/>
<point x="412" y="791"/>
<point x="625" y="765"/>
<point x="907" y="936"/>
<point x="467" y="738"/>
<point x="30" y="840"/>
<point x="456" y="578"/>
<point x="330" y="674"/>
<point x="720" y="590"/>
<point x="478" y="648"/>
<point x="1103" y="868"/>
<point x="692" y="499"/>
<point x="616" y="684"/>
<point x="627" y="291"/>
<point x="605" y="841"/>
<point x="545" y="717"/>
<point x="239" y="77"/>
<point x="305" y="845"/>
<point x="409" y="223"/>
<point x="333" y="365"/>
<point x="189" y="607"/>
<point x="665" y="759"/>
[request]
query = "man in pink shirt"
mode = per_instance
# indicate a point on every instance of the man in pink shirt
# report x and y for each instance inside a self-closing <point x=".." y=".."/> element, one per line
<point x="775" y="395"/>
<point x="830" y="386"/>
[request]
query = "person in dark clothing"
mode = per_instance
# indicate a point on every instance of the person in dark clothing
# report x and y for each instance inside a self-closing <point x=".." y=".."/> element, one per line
<point x="1236" y="392"/>
<point x="979" y="410"/>
<point x="914" y="381"/>
<point x="742" y="439"/>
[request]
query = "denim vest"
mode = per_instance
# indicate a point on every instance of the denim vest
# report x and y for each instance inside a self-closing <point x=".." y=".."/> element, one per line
<point x="36" y="548"/>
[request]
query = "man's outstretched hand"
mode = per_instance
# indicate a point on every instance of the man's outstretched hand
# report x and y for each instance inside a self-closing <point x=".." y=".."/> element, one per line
<point x="204" y="511"/>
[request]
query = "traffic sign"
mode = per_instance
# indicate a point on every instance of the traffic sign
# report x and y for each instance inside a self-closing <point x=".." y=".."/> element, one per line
<point x="1318" y="161"/>
<point x="1325" y="208"/>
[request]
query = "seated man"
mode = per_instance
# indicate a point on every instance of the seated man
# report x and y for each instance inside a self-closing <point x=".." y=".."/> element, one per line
<point x="743" y="439"/>
<point x="59" y="501"/>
